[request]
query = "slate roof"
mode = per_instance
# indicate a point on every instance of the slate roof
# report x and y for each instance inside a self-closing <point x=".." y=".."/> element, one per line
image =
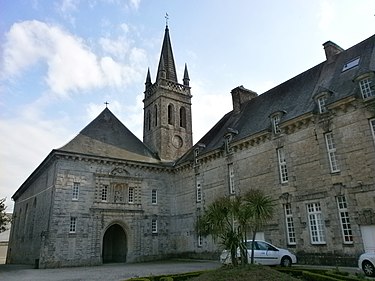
<point x="166" y="61"/>
<point x="106" y="136"/>
<point x="294" y="97"/>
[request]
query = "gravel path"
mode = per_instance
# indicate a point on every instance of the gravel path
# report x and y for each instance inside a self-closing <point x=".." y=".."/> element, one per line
<point x="107" y="272"/>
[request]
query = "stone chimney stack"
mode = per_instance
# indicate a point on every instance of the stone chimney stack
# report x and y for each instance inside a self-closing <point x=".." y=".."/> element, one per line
<point x="331" y="49"/>
<point x="241" y="95"/>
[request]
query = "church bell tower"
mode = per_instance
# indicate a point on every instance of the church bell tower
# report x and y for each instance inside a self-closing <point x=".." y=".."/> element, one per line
<point x="167" y="125"/>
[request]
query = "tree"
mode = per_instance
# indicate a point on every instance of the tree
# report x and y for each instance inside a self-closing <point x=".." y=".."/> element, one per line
<point x="259" y="208"/>
<point x="4" y="219"/>
<point x="229" y="218"/>
<point x="219" y="221"/>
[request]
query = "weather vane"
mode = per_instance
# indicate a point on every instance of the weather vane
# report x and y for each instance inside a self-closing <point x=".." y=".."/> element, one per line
<point x="106" y="104"/>
<point x="166" y="19"/>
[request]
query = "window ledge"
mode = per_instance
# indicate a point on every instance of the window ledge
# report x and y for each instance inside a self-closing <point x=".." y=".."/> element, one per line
<point x="319" y="244"/>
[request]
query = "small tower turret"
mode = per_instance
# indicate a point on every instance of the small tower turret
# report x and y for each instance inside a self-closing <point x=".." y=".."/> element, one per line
<point x="186" y="77"/>
<point x="148" y="82"/>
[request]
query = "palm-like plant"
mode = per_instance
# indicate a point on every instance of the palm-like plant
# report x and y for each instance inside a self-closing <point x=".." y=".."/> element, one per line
<point x="259" y="208"/>
<point x="219" y="221"/>
<point x="229" y="218"/>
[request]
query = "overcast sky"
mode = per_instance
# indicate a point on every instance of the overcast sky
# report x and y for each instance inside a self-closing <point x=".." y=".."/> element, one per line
<point x="60" y="60"/>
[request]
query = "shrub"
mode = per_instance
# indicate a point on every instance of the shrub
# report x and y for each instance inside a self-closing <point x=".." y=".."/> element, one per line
<point x="310" y="276"/>
<point x="166" y="278"/>
<point x="341" y="275"/>
<point x="185" y="276"/>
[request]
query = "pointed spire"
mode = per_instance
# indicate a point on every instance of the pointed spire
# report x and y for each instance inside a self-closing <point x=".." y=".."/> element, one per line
<point x="166" y="59"/>
<point x="186" y="76"/>
<point x="148" y="82"/>
<point x="161" y="71"/>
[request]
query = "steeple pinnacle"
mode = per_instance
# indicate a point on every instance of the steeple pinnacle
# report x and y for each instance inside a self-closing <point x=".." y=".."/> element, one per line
<point x="148" y="82"/>
<point x="166" y="59"/>
<point x="186" y="76"/>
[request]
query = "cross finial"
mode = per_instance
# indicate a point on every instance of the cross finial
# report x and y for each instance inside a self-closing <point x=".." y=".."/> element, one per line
<point x="106" y="104"/>
<point x="166" y="19"/>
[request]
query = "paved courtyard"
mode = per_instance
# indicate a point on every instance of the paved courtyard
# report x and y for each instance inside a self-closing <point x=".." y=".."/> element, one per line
<point x="107" y="272"/>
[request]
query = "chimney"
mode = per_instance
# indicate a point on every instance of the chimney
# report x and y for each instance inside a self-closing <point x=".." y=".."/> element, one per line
<point x="331" y="49"/>
<point x="241" y="95"/>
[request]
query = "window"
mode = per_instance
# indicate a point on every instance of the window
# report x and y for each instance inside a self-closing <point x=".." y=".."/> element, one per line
<point x="73" y="224"/>
<point x="227" y="140"/>
<point x="104" y="193"/>
<point x="350" y="64"/>
<point x="316" y="223"/>
<point x="291" y="235"/>
<point x="131" y="195"/>
<point x="366" y="88"/>
<point x="148" y="120"/>
<point x="200" y="240"/>
<point x="171" y="114"/>
<point x="196" y="153"/>
<point x="154" y="226"/>
<point x="372" y="125"/>
<point x="155" y="115"/>
<point x="322" y="104"/>
<point x="331" y="150"/>
<point x="154" y="196"/>
<point x="282" y="165"/>
<point x="344" y="220"/>
<point x="276" y="124"/>
<point x="75" y="191"/>
<point x="199" y="190"/>
<point x="231" y="178"/>
<point x="183" y="117"/>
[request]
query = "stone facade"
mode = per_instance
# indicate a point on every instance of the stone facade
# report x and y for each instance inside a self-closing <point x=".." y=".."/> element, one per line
<point x="309" y="143"/>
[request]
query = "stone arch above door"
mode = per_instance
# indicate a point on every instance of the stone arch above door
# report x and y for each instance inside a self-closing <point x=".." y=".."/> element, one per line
<point x="115" y="244"/>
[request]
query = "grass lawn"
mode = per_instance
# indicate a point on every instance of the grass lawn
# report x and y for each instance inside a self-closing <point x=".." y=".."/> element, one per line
<point x="244" y="273"/>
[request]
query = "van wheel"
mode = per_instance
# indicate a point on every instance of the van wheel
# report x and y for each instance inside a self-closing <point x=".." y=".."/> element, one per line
<point x="286" y="261"/>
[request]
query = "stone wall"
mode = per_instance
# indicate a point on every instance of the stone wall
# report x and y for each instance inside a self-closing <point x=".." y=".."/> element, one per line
<point x="310" y="180"/>
<point x="94" y="216"/>
<point x="31" y="218"/>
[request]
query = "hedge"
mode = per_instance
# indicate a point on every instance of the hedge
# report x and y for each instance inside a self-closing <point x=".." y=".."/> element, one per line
<point x="310" y="276"/>
<point x="171" y="277"/>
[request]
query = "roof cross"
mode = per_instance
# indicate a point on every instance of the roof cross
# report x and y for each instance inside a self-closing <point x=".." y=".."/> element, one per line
<point x="166" y="19"/>
<point x="106" y="104"/>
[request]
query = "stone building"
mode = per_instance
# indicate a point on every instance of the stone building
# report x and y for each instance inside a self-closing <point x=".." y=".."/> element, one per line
<point x="309" y="142"/>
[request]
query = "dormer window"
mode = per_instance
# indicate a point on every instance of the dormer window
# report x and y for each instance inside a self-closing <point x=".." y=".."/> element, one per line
<point x="276" y="124"/>
<point x="196" y="153"/>
<point x="367" y="88"/>
<point x="351" y="64"/>
<point x="197" y="150"/>
<point x="322" y="100"/>
<point x="228" y="137"/>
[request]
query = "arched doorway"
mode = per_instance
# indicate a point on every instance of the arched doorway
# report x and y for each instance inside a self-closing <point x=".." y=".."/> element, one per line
<point x="114" y="244"/>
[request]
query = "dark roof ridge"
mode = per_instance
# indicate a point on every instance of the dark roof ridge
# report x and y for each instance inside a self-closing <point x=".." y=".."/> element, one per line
<point x="105" y="134"/>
